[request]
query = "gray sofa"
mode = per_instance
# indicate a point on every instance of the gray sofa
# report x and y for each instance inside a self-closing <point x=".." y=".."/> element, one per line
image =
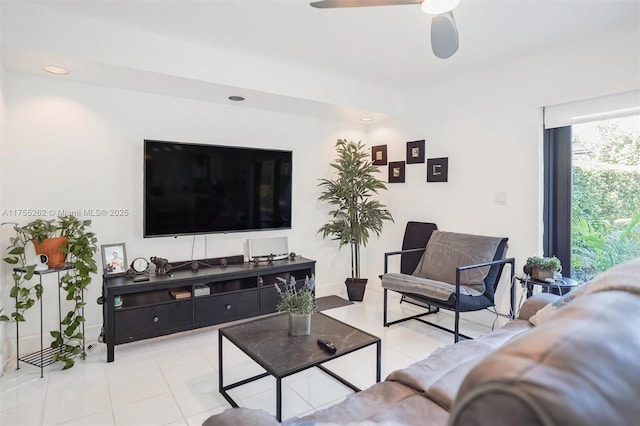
<point x="577" y="366"/>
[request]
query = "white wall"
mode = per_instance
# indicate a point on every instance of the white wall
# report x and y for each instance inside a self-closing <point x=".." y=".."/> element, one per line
<point x="73" y="146"/>
<point x="3" y="287"/>
<point x="488" y="123"/>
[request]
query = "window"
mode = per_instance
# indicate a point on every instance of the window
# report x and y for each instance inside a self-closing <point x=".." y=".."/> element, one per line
<point x="592" y="191"/>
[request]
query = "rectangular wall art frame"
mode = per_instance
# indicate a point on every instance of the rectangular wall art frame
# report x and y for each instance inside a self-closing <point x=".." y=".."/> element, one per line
<point x="114" y="260"/>
<point x="415" y="152"/>
<point x="396" y="171"/>
<point x="438" y="169"/>
<point x="379" y="155"/>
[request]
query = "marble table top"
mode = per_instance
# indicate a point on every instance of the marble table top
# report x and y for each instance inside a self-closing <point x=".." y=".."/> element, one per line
<point x="267" y="341"/>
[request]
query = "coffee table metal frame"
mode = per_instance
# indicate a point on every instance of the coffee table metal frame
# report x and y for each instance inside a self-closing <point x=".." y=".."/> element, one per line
<point x="223" y="332"/>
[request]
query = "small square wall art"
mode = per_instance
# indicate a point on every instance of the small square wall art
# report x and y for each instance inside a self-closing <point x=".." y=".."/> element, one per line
<point x="379" y="155"/>
<point x="438" y="169"/>
<point x="396" y="171"/>
<point x="415" y="152"/>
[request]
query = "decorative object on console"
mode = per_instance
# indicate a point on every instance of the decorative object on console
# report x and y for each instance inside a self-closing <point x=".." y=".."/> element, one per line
<point x="350" y="196"/>
<point x="78" y="253"/>
<point x="415" y="152"/>
<point x="278" y="247"/>
<point x="201" y="290"/>
<point x="396" y="171"/>
<point x="542" y="268"/>
<point x="180" y="293"/>
<point x="300" y="303"/>
<point x="438" y="169"/>
<point x="140" y="265"/>
<point x="196" y="264"/>
<point x="379" y="155"/>
<point x="292" y="255"/>
<point x="163" y="266"/>
<point x="114" y="260"/>
<point x="269" y="259"/>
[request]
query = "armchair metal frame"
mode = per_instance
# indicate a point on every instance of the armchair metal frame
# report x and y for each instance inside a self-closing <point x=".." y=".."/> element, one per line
<point x="430" y="303"/>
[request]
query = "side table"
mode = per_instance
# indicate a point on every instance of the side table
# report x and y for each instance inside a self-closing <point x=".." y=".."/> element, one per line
<point x="559" y="287"/>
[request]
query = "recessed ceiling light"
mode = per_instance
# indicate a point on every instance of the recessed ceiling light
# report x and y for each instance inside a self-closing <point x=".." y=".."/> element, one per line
<point x="55" y="70"/>
<point x="366" y="119"/>
<point x="236" y="98"/>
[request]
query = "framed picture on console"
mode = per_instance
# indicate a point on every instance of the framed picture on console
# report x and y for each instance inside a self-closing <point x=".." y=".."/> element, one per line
<point x="114" y="260"/>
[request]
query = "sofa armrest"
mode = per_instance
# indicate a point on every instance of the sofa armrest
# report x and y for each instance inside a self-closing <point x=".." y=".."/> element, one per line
<point x="536" y="302"/>
<point x="241" y="416"/>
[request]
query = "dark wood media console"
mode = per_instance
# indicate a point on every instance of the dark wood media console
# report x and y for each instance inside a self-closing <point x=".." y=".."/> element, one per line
<point x="236" y="291"/>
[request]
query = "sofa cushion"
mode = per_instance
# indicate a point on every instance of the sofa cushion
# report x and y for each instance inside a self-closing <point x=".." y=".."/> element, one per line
<point x="446" y="251"/>
<point x="440" y="375"/>
<point x="579" y="368"/>
<point x="360" y="406"/>
<point x="423" y="374"/>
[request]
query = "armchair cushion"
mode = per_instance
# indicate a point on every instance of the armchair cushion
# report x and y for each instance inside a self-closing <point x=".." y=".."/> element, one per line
<point x="438" y="290"/>
<point x="446" y="251"/>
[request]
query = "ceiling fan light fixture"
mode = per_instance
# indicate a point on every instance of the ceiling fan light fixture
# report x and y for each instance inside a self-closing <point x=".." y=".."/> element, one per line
<point x="438" y="7"/>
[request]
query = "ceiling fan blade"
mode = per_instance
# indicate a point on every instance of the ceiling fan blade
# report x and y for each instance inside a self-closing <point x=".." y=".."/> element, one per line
<point x="444" y="35"/>
<point x="328" y="4"/>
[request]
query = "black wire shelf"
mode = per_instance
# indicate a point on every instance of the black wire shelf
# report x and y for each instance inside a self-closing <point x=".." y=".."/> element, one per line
<point x="46" y="359"/>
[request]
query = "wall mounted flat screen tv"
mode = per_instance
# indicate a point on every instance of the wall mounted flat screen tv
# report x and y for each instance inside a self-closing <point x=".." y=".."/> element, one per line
<point x="200" y="189"/>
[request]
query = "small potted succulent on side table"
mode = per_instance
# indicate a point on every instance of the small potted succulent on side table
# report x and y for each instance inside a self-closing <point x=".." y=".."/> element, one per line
<point x="542" y="268"/>
<point x="300" y="303"/>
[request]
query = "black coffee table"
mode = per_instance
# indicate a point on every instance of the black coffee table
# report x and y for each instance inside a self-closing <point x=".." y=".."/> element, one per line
<point x="267" y="342"/>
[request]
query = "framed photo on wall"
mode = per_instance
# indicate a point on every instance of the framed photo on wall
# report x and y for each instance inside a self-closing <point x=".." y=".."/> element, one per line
<point x="396" y="171"/>
<point x="415" y="152"/>
<point x="438" y="169"/>
<point x="114" y="260"/>
<point x="379" y="155"/>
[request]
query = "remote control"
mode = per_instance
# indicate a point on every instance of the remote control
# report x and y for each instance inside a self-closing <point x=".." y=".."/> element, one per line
<point x="327" y="346"/>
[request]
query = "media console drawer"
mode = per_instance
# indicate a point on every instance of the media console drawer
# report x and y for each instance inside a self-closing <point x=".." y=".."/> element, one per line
<point x="140" y="323"/>
<point x="226" y="307"/>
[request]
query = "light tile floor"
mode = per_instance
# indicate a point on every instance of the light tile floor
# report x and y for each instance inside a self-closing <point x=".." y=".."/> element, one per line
<point x="173" y="380"/>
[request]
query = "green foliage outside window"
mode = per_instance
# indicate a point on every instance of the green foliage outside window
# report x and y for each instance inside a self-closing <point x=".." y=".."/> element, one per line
<point x="606" y="200"/>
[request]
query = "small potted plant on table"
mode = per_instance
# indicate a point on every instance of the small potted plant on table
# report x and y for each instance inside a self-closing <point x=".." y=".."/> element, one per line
<point x="542" y="268"/>
<point x="300" y="303"/>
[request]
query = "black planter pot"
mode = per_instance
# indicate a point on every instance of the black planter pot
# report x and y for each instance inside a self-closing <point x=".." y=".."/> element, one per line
<point x="356" y="288"/>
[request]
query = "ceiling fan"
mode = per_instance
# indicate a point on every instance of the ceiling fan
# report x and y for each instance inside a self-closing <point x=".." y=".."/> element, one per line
<point x="444" y="33"/>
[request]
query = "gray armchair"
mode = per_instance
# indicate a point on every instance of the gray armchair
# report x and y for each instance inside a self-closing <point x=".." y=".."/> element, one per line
<point x="446" y="270"/>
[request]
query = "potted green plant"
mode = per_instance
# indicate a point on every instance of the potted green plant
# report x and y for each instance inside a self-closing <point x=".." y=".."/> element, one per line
<point x="300" y="303"/>
<point x="542" y="268"/>
<point x="77" y="254"/>
<point x="46" y="240"/>
<point x="355" y="213"/>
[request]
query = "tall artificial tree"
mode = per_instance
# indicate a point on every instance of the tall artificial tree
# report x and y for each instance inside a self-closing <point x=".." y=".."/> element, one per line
<point x="355" y="214"/>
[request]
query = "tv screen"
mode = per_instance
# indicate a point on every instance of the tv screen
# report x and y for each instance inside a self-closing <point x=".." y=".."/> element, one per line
<point x="200" y="189"/>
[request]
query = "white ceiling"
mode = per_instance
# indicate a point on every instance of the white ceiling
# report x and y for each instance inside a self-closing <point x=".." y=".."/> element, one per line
<point x="384" y="46"/>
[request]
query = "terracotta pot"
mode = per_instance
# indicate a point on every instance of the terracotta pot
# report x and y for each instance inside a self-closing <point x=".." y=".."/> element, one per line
<point x="51" y="247"/>
<point x="356" y="288"/>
